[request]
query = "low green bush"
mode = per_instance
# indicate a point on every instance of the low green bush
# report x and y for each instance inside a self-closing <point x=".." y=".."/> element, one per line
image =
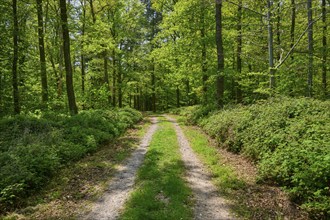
<point x="34" y="146"/>
<point x="289" y="140"/>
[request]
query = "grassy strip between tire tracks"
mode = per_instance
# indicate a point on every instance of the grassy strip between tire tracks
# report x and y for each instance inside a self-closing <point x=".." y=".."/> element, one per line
<point x="161" y="191"/>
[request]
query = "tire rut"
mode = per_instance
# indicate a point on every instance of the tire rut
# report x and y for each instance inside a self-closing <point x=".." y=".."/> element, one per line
<point x="208" y="204"/>
<point x="122" y="184"/>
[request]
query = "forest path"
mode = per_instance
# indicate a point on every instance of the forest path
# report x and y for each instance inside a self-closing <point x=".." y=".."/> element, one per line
<point x="111" y="203"/>
<point x="208" y="203"/>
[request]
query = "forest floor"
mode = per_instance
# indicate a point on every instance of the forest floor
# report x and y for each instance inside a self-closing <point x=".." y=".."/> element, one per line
<point x="209" y="183"/>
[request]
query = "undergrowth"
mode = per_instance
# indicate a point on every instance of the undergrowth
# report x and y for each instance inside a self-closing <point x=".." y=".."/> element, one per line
<point x="34" y="146"/>
<point x="288" y="139"/>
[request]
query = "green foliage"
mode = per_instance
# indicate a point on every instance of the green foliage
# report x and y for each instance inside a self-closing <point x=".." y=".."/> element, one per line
<point x="34" y="146"/>
<point x="288" y="139"/>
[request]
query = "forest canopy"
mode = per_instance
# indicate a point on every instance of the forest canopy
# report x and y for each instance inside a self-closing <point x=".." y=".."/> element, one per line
<point x="154" y="55"/>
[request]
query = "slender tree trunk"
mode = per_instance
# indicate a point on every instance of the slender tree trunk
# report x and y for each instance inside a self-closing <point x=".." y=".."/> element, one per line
<point x="324" y="50"/>
<point x="177" y="97"/>
<point x="106" y="74"/>
<point x="56" y="76"/>
<point x="67" y="59"/>
<point x="293" y="24"/>
<point x="270" y="45"/>
<point x="114" y="76"/>
<point x="82" y="56"/>
<point x="61" y="73"/>
<point x="17" y="107"/>
<point x="153" y="86"/>
<point x="83" y="73"/>
<point x="188" y="91"/>
<point x="120" y="92"/>
<point x="278" y="31"/>
<point x="220" y="81"/>
<point x="239" y="50"/>
<point x="1" y="91"/>
<point x="92" y="11"/>
<point x="204" y="58"/>
<point x="310" y="49"/>
<point x="42" y="56"/>
<point x="138" y="99"/>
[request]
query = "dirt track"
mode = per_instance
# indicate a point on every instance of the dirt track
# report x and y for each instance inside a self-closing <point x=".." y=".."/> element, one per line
<point x="111" y="203"/>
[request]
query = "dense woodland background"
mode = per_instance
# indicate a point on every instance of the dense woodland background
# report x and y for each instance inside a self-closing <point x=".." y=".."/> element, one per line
<point x="244" y="65"/>
<point x="159" y="54"/>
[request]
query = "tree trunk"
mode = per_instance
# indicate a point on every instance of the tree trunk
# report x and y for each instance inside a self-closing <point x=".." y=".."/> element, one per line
<point x="270" y="46"/>
<point x="278" y="31"/>
<point x="120" y="92"/>
<point x="204" y="58"/>
<point x="17" y="108"/>
<point x="82" y="56"/>
<point x="61" y="73"/>
<point x="92" y="11"/>
<point x="114" y="75"/>
<point x="324" y="51"/>
<point x="67" y="59"/>
<point x="310" y="49"/>
<point x="293" y="24"/>
<point x="106" y="74"/>
<point x="239" y="50"/>
<point x="153" y="84"/>
<point x="188" y="91"/>
<point x="220" y="80"/>
<point x="177" y="97"/>
<point x="1" y="91"/>
<point x="42" y="56"/>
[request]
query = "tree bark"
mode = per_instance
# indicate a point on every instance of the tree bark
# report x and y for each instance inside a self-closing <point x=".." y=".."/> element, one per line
<point x="92" y="11"/>
<point x="153" y="86"/>
<point x="278" y="31"/>
<point x="239" y="50"/>
<point x="270" y="45"/>
<point x="106" y="74"/>
<point x="114" y="76"/>
<point x="42" y="56"/>
<point x="120" y="81"/>
<point x="310" y="49"/>
<point x="177" y="97"/>
<point x="324" y="50"/>
<point x="293" y="24"/>
<point x="82" y="56"/>
<point x="204" y="58"/>
<point x="220" y="80"/>
<point x="17" y="107"/>
<point x="67" y="59"/>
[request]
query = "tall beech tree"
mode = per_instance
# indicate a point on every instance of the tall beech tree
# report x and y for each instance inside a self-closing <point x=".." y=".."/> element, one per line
<point x="324" y="47"/>
<point x="67" y="59"/>
<point x="42" y="54"/>
<point x="270" y="44"/>
<point x="220" y="80"/>
<point x="310" y="49"/>
<point x="17" y="107"/>
<point x="239" y="49"/>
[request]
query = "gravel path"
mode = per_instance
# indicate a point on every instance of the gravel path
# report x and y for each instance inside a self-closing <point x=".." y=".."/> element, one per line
<point x="209" y="205"/>
<point x="111" y="203"/>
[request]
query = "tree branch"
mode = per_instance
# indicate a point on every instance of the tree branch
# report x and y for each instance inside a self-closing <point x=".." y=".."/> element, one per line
<point x="297" y="42"/>
<point x="246" y="8"/>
